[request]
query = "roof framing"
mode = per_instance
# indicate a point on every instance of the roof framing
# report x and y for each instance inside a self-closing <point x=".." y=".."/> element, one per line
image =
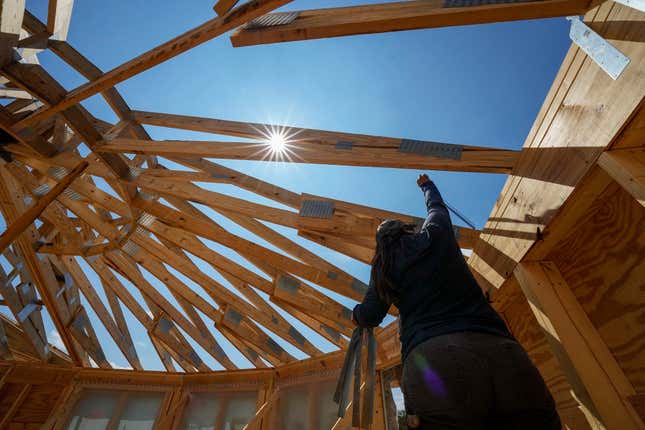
<point x="155" y="227"/>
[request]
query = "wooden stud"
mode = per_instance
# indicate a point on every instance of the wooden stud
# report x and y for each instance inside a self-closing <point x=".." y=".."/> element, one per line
<point x="561" y="315"/>
<point x="627" y="167"/>
<point x="15" y="406"/>
<point x="59" y="16"/>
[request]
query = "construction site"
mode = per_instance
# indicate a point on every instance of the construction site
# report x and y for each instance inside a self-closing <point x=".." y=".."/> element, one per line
<point x="120" y="249"/>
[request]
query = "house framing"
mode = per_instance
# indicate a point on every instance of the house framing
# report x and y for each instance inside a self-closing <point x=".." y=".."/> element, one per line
<point x="562" y="256"/>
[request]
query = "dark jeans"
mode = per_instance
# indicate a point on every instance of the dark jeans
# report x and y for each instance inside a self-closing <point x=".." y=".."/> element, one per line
<point x="473" y="381"/>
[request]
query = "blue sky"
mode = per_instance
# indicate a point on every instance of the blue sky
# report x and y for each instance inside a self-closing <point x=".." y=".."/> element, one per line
<point x="476" y="85"/>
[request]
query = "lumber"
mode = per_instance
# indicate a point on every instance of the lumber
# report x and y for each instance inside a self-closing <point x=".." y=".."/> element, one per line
<point x="27" y="218"/>
<point x="539" y="185"/>
<point x="11" y="13"/>
<point x="397" y="16"/>
<point x="40" y="271"/>
<point x="15" y="405"/>
<point x="223" y="6"/>
<point x="205" y="229"/>
<point x="124" y="344"/>
<point x="59" y="16"/>
<point x="563" y="318"/>
<point x="321" y="143"/>
<point x="170" y="49"/>
<point x="470" y="159"/>
<point x="262" y="411"/>
<point x="627" y="167"/>
<point x="26" y="135"/>
<point x="12" y="93"/>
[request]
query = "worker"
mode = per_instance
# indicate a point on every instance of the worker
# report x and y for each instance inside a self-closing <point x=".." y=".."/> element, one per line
<point x="462" y="369"/>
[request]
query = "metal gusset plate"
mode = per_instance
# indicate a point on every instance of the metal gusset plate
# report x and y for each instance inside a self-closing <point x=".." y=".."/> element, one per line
<point x="317" y="209"/>
<point x="431" y="149"/>
<point x="610" y="59"/>
<point x="272" y="19"/>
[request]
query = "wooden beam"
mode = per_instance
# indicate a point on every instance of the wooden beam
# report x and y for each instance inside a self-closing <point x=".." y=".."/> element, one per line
<point x="81" y="329"/>
<point x="561" y="148"/>
<point x="36" y="80"/>
<point x="59" y="16"/>
<point x="457" y="158"/>
<point x="86" y="68"/>
<point x="180" y="44"/>
<point x="15" y="406"/>
<point x="12" y="93"/>
<point x="412" y="15"/>
<point x="11" y="13"/>
<point x="202" y="228"/>
<point x="128" y="268"/>
<point x="564" y="319"/>
<point x="247" y="329"/>
<point x="627" y="167"/>
<point x="262" y="411"/>
<point x="223" y="6"/>
<point x="12" y="199"/>
<point x="26" y="135"/>
<point x="124" y="344"/>
<point x="16" y="227"/>
<point x="219" y="293"/>
<point x="29" y="328"/>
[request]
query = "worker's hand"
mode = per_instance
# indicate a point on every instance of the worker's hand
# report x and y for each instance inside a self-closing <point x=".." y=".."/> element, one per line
<point x="412" y="421"/>
<point x="423" y="179"/>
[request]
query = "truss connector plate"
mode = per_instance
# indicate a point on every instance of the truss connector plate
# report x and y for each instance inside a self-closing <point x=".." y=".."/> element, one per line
<point x="58" y="172"/>
<point x="251" y="353"/>
<point x="344" y="145"/>
<point x="288" y="284"/>
<point x="274" y="346"/>
<point x="224" y="176"/>
<point x="40" y="191"/>
<point x="334" y="334"/>
<point x="359" y="286"/>
<point x="195" y="359"/>
<point x="431" y="149"/>
<point x="272" y="20"/>
<point x="130" y="248"/>
<point x="164" y="325"/>
<point x="28" y="310"/>
<point x="323" y="209"/>
<point x="72" y="194"/>
<point x="233" y="316"/>
<point x="610" y="59"/>
<point x="296" y="336"/>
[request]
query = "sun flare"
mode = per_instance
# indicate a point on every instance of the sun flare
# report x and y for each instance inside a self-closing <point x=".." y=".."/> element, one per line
<point x="277" y="141"/>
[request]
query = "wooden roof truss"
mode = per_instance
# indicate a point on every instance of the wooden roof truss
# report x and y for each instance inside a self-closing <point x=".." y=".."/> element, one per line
<point x="155" y="228"/>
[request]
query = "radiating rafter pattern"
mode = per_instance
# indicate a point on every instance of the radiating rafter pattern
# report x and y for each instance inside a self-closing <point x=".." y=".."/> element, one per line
<point x="133" y="231"/>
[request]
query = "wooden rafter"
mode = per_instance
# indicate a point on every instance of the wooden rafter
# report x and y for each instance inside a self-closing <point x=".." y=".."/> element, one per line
<point x="397" y="16"/>
<point x="161" y="53"/>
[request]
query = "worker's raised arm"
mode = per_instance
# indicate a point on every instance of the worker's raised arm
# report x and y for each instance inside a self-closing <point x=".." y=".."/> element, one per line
<point x="372" y="310"/>
<point x="438" y="215"/>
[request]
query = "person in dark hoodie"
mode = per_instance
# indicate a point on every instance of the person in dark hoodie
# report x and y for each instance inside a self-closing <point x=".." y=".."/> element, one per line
<point x="462" y="369"/>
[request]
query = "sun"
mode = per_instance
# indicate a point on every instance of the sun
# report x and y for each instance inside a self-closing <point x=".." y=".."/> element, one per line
<point x="277" y="141"/>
